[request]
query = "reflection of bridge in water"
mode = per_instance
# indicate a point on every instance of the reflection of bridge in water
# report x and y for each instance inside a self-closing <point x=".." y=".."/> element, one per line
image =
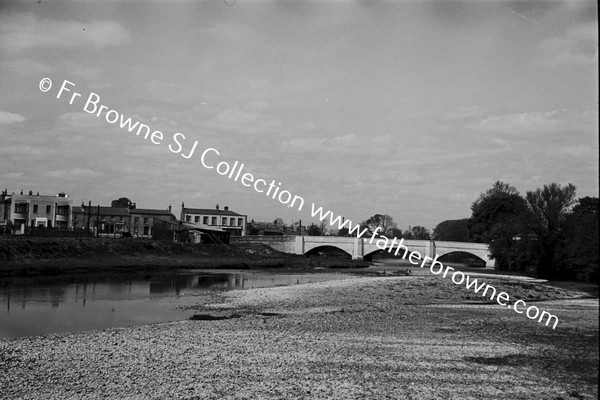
<point x="363" y="249"/>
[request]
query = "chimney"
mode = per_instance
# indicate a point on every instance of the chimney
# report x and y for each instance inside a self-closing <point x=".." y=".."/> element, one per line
<point x="226" y="208"/>
<point x="38" y="193"/>
<point x="31" y="192"/>
<point x="169" y="208"/>
<point x="217" y="207"/>
<point x="21" y="191"/>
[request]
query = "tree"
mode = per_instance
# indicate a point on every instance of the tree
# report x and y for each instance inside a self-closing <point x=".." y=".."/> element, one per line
<point x="122" y="202"/>
<point x="579" y="253"/>
<point x="420" y="233"/>
<point x="455" y="230"/>
<point x="550" y="207"/>
<point x="344" y="232"/>
<point x="278" y="222"/>
<point x="314" y="230"/>
<point x="501" y="217"/>
<point x="384" y="222"/>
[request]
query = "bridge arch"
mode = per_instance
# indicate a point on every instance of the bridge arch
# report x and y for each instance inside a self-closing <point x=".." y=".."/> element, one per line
<point x="463" y="257"/>
<point x="315" y="250"/>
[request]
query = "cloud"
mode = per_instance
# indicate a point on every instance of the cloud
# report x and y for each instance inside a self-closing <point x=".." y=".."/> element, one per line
<point x="19" y="32"/>
<point x="73" y="173"/>
<point x="25" y="151"/>
<point x="242" y="122"/>
<point x="578" y="46"/>
<point x="544" y="122"/>
<point x="10" y="118"/>
<point x="27" y="66"/>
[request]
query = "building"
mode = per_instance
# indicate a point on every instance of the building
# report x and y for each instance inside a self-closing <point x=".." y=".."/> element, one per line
<point x="122" y="221"/>
<point x="225" y="219"/>
<point x="35" y="210"/>
<point x="102" y="219"/>
<point x="143" y="219"/>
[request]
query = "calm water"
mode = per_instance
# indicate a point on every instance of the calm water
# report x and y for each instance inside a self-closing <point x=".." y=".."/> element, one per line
<point x="38" y="306"/>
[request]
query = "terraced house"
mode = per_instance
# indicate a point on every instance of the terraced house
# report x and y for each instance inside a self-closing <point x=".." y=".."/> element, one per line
<point x="35" y="210"/>
<point x="119" y="221"/>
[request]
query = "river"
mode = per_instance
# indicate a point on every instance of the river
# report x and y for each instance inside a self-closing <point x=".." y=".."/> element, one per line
<point x="37" y="306"/>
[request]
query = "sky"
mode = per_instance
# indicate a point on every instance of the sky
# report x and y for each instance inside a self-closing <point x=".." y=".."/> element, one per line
<point x="405" y="108"/>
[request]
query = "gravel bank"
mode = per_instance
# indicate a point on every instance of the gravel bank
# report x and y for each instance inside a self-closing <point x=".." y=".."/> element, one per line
<point x="363" y="338"/>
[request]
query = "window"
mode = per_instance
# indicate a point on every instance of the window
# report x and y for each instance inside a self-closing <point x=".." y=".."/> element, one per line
<point x="240" y="221"/>
<point x="145" y="220"/>
<point x="62" y="210"/>
<point x="35" y="208"/>
<point x="188" y="218"/>
<point x="121" y="219"/>
<point x="48" y="209"/>
<point x="21" y="208"/>
<point x="205" y="220"/>
<point x="113" y="219"/>
<point x="214" y="221"/>
<point x="196" y="219"/>
<point x="231" y="221"/>
<point x="224" y="221"/>
<point x="136" y="220"/>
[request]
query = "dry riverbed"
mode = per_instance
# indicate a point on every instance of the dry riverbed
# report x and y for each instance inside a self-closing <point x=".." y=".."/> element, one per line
<point x="409" y="337"/>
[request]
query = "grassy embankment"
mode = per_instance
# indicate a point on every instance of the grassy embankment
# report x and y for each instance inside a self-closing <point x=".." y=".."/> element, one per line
<point x="47" y="256"/>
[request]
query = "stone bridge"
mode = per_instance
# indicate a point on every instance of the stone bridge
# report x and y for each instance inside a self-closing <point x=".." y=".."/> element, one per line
<point x="364" y="248"/>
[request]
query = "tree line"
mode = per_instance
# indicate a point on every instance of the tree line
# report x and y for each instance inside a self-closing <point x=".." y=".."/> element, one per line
<point x="548" y="231"/>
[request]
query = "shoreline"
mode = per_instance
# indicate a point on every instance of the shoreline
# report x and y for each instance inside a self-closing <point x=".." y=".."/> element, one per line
<point x="21" y="257"/>
<point x="369" y="337"/>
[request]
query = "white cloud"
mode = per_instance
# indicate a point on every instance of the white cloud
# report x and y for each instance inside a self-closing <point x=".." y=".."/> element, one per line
<point x="27" y="66"/>
<point x="20" y="32"/>
<point x="10" y="118"/>
<point x="73" y="173"/>
<point x="578" y="46"/>
<point x="544" y="122"/>
<point x="242" y="122"/>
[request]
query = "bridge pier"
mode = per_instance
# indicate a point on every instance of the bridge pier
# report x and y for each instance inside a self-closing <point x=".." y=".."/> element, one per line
<point x="358" y="250"/>
<point x="299" y="245"/>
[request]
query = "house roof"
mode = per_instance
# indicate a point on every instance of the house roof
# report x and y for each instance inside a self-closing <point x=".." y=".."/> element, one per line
<point x="116" y="211"/>
<point x="150" y="211"/>
<point x="201" y="227"/>
<point x="210" y="211"/>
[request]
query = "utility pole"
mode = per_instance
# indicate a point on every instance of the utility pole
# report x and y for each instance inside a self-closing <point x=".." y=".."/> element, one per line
<point x="89" y="218"/>
<point x="97" y="220"/>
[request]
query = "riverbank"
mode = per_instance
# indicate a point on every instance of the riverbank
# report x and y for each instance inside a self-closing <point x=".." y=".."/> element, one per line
<point x="412" y="337"/>
<point x="21" y="256"/>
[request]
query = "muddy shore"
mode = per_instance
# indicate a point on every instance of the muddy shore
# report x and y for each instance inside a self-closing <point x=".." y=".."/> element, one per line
<point x="412" y="337"/>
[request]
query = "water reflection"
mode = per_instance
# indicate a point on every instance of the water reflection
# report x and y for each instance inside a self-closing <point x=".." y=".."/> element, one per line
<point x="64" y="304"/>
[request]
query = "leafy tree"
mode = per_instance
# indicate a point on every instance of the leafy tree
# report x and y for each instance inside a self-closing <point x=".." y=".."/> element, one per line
<point x="384" y="222"/>
<point x="344" y="232"/>
<point x="550" y="206"/>
<point x="122" y="202"/>
<point x="314" y="230"/>
<point x="501" y="217"/>
<point x="407" y="235"/>
<point x="456" y="230"/>
<point x="278" y="222"/>
<point x="579" y="253"/>
<point x="420" y="233"/>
